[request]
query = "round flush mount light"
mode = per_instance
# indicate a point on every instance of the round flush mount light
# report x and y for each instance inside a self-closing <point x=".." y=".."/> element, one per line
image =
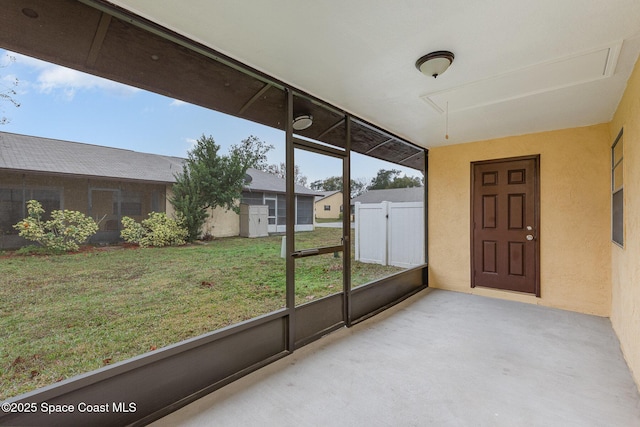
<point x="435" y="63"/>
<point x="302" y="122"/>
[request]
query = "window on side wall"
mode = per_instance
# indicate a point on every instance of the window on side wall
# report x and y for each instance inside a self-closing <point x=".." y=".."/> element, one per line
<point x="617" y="191"/>
<point x="13" y="205"/>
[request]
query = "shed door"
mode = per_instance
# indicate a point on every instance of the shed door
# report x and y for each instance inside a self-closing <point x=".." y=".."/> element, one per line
<point x="505" y="223"/>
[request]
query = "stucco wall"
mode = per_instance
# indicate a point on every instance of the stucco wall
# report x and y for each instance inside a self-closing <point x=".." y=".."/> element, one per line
<point x="335" y="201"/>
<point x="221" y="223"/>
<point x="625" y="306"/>
<point x="575" y="253"/>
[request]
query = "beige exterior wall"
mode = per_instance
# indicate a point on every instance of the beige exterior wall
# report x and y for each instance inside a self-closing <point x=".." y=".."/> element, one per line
<point x="625" y="307"/>
<point x="575" y="250"/>
<point x="335" y="201"/>
<point x="221" y="223"/>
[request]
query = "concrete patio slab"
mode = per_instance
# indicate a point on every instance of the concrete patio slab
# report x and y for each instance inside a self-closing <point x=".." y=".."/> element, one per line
<point x="439" y="359"/>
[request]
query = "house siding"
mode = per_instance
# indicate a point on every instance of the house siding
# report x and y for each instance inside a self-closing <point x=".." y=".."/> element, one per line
<point x="334" y="201"/>
<point x="575" y="253"/>
<point x="625" y="306"/>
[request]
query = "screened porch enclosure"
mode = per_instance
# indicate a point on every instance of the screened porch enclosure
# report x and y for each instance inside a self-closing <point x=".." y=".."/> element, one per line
<point x="166" y="378"/>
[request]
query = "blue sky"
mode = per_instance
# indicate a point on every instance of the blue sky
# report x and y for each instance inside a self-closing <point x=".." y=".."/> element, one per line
<point x="61" y="103"/>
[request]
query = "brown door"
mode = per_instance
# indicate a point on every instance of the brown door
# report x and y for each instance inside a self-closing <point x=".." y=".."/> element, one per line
<point x="504" y="224"/>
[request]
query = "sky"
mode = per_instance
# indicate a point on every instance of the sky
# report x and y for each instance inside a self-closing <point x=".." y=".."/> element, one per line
<point x="60" y="103"/>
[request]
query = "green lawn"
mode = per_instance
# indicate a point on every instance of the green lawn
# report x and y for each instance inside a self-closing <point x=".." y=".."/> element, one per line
<point x="62" y="315"/>
<point x="325" y="220"/>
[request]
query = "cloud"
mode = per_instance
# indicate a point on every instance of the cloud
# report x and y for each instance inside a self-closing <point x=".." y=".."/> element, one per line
<point x="51" y="78"/>
<point x="177" y="103"/>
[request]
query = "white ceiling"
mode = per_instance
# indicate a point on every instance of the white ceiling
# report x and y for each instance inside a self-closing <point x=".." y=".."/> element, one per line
<point x="521" y="66"/>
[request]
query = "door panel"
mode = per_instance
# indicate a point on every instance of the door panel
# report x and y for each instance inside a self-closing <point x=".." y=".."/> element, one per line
<point x="319" y="254"/>
<point x="505" y="220"/>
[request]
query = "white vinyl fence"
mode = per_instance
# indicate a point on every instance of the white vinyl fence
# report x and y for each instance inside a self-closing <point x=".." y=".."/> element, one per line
<point x="390" y="233"/>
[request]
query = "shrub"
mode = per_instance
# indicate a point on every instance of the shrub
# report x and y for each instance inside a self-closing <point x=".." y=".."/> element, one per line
<point x="157" y="230"/>
<point x="64" y="232"/>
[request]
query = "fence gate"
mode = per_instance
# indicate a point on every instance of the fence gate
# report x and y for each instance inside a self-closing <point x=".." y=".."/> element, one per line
<point x="390" y="233"/>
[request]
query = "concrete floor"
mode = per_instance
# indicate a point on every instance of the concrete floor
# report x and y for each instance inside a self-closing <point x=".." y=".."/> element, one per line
<point x="439" y="359"/>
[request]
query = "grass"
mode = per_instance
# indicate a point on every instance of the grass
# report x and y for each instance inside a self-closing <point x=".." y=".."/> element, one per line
<point x="325" y="220"/>
<point x="62" y="315"/>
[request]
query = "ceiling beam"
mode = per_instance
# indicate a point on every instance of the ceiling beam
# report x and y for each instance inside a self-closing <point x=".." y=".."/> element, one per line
<point x="332" y="127"/>
<point x="411" y="156"/>
<point x="379" y="145"/>
<point x="254" y="98"/>
<point x="98" y="39"/>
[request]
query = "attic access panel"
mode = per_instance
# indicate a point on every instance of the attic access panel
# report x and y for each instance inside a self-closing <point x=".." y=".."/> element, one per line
<point x="120" y="46"/>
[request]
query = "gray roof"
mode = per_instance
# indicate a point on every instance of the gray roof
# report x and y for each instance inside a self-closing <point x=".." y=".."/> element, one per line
<point x="270" y="183"/>
<point x="413" y="194"/>
<point x="324" y="194"/>
<point x="45" y="155"/>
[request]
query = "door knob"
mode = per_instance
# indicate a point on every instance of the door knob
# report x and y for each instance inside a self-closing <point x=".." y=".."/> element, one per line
<point x="529" y="237"/>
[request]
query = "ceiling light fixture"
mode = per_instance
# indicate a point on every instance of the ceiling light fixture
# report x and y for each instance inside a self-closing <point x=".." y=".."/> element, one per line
<point x="302" y="122"/>
<point x="435" y="63"/>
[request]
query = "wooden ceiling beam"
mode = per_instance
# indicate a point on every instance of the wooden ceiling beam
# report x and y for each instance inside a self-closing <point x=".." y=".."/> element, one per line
<point x="98" y="39"/>
<point x="332" y="127"/>
<point x="379" y="145"/>
<point x="254" y="98"/>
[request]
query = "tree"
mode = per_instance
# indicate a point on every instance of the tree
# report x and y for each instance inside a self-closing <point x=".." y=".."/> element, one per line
<point x="253" y="152"/>
<point x="188" y="201"/>
<point x="358" y="186"/>
<point x="392" y="179"/>
<point x="208" y="180"/>
<point x="334" y="183"/>
<point x="7" y="93"/>
<point x="281" y="172"/>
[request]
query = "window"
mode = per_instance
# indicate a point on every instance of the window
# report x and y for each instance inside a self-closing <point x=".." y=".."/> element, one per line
<point x="13" y="205"/>
<point x="327" y="207"/>
<point x="304" y="214"/>
<point x="49" y="199"/>
<point x="130" y="203"/>
<point x="10" y="209"/>
<point x="252" y="198"/>
<point x="157" y="201"/>
<point x="617" y="191"/>
<point x="282" y="209"/>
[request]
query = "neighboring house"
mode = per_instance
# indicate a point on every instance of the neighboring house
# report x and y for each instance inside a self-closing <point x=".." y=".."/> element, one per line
<point x="108" y="183"/>
<point x="329" y="204"/>
<point x="267" y="189"/>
